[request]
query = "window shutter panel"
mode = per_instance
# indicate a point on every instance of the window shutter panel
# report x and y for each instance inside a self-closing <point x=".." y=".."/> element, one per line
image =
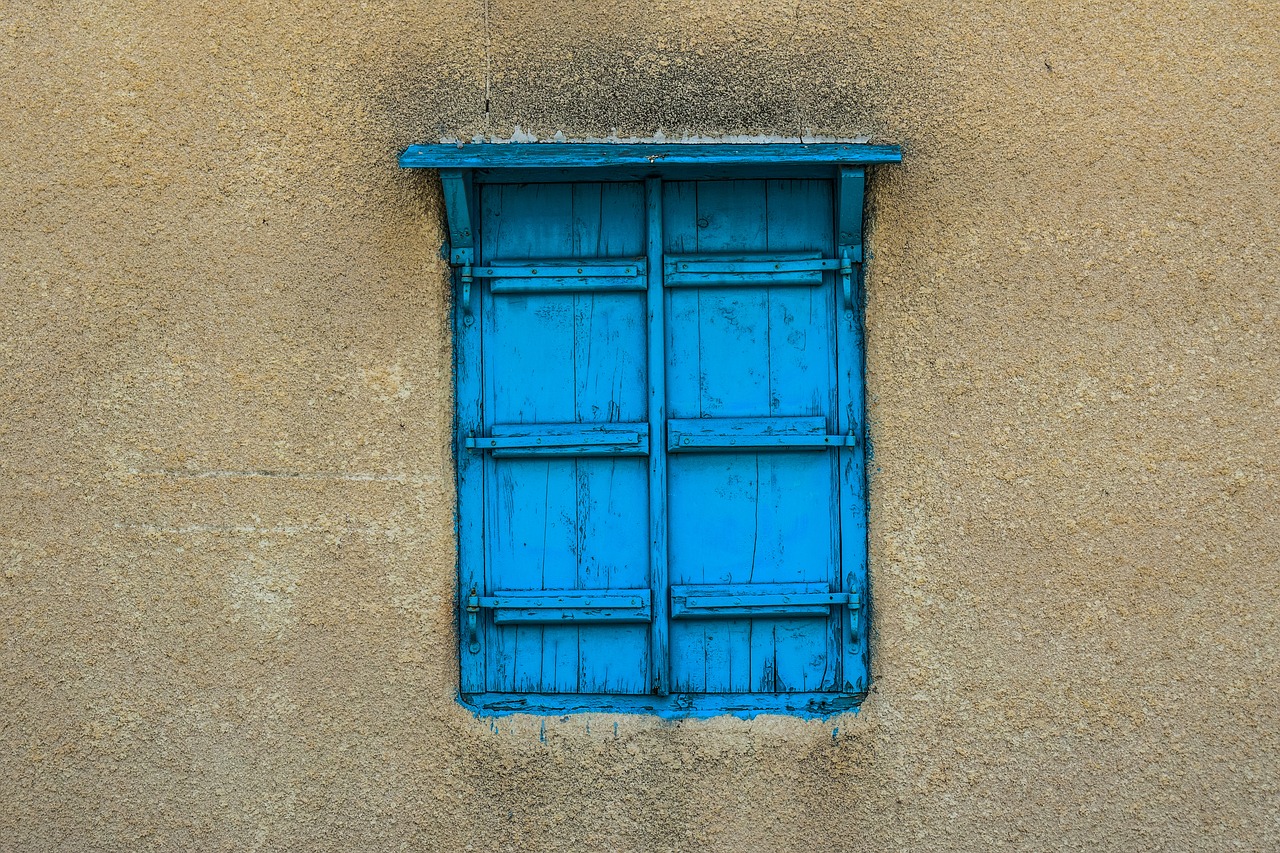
<point x="757" y="600"/>
<point x="565" y="602"/>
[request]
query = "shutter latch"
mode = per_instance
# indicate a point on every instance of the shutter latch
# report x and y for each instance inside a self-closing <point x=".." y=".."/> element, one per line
<point x="465" y="278"/>
<point x="846" y="278"/>
<point x="473" y="613"/>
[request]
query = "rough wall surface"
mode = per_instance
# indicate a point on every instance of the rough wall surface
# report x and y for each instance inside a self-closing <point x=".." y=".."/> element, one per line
<point x="225" y="487"/>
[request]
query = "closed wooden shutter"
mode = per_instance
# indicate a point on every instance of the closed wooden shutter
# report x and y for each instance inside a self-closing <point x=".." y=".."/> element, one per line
<point x="742" y="573"/>
<point x="755" y="437"/>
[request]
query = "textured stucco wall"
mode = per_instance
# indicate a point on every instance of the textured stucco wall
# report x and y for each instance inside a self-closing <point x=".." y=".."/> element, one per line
<point x="225" y="488"/>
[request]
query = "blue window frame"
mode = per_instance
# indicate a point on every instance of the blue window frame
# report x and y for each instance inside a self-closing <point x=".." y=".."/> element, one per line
<point x="660" y="435"/>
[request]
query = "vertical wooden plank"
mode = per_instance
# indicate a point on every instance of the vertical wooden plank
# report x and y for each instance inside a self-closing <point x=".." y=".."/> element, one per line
<point x="801" y="329"/>
<point x="680" y="236"/>
<point x="623" y="220"/>
<point x="793" y="543"/>
<point x="562" y="542"/>
<point x="613" y="552"/>
<point x="733" y="377"/>
<point x="609" y="328"/>
<point x="613" y="504"/>
<point x="529" y="337"/>
<point x="583" y="232"/>
<point x="802" y="382"/>
<point x="733" y="322"/>
<point x="532" y="547"/>
<point x="850" y="374"/>
<point x="713" y="540"/>
<point x="528" y="374"/>
<point x="501" y="652"/>
<point x="610" y="352"/>
<point x="713" y="357"/>
<point x="658" y="570"/>
<point x="469" y="421"/>
<point x="586" y="220"/>
<point x="688" y="640"/>
<point x="610" y="371"/>
<point x="515" y="647"/>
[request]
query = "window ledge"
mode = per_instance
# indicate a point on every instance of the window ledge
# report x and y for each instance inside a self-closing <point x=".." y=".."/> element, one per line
<point x="674" y="707"/>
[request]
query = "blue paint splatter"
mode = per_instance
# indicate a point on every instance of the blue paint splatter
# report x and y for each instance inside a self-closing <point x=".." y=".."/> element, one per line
<point x="615" y="731"/>
<point x="835" y="733"/>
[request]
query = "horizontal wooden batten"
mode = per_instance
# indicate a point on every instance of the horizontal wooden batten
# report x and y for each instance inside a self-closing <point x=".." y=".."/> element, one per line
<point x="800" y="269"/>
<point x="755" y="443"/>
<point x="555" y="606"/>
<point x="735" y="601"/>
<point x="549" y="285"/>
<point x="565" y="276"/>
<point x="701" y="435"/>
<point x="618" y="439"/>
<point x="623" y="268"/>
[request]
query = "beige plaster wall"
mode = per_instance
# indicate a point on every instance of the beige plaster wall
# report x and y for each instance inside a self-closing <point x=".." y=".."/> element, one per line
<point x="225" y="488"/>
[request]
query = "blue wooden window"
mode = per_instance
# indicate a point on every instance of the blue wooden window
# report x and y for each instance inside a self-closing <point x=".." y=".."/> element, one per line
<point x="660" y="429"/>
